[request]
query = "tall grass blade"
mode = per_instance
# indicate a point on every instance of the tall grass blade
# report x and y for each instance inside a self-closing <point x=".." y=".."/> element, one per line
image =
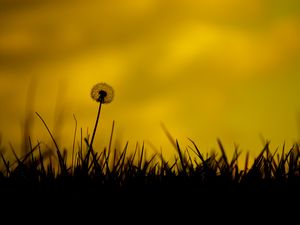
<point x="60" y="158"/>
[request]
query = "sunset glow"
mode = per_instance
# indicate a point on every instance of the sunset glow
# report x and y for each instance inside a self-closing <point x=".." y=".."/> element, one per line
<point x="205" y="69"/>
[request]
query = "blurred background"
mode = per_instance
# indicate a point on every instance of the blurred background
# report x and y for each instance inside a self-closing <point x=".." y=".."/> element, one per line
<point x="205" y="69"/>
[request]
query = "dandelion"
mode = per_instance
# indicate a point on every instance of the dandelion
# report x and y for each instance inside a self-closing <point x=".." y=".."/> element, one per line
<point x="102" y="93"/>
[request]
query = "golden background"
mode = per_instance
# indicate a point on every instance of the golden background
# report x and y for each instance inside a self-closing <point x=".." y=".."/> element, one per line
<point x="205" y="69"/>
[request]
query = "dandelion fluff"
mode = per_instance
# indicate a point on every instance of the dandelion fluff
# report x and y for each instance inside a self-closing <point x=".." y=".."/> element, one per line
<point x="102" y="92"/>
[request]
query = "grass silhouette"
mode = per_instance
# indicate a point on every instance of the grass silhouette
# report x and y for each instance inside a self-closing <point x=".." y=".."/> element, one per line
<point x="116" y="168"/>
<point x="116" y="179"/>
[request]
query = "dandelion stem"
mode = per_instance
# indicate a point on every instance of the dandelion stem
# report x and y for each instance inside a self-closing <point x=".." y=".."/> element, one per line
<point x="96" y="124"/>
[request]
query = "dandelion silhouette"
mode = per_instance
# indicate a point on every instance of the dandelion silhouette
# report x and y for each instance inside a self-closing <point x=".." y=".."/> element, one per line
<point x="102" y="93"/>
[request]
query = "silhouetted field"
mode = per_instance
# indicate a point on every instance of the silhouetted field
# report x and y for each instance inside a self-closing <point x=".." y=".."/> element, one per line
<point x="113" y="180"/>
<point x="124" y="184"/>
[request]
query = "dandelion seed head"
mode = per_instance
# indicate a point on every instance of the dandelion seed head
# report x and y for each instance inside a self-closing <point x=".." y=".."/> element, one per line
<point x="102" y="92"/>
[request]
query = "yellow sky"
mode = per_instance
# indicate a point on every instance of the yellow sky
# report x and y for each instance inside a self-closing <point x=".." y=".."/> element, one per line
<point x="206" y="69"/>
